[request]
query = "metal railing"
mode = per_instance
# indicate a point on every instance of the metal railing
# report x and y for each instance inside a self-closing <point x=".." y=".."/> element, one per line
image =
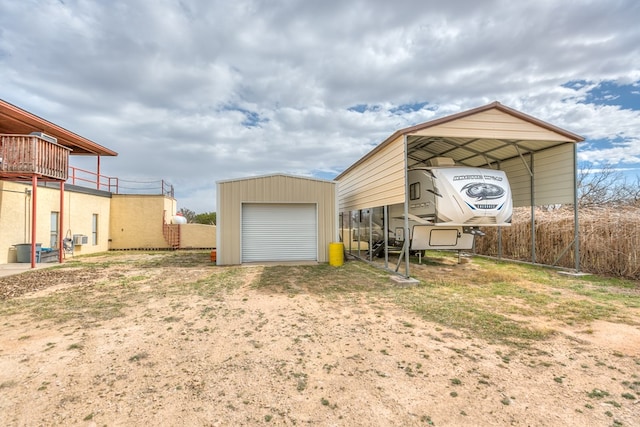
<point x="86" y="178"/>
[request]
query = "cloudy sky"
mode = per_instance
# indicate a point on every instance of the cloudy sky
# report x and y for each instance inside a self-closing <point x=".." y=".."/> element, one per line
<point x="196" y="91"/>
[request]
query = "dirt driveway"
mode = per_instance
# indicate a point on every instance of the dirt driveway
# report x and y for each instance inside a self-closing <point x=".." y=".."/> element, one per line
<point x="166" y="339"/>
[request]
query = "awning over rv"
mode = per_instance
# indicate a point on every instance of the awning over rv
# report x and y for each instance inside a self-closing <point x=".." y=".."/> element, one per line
<point x="485" y="136"/>
<point x="539" y="158"/>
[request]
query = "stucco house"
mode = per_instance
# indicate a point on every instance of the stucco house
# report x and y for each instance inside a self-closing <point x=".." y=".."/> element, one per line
<point x="50" y="210"/>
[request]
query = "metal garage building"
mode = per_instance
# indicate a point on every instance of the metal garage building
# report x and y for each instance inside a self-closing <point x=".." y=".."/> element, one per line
<point x="540" y="161"/>
<point x="275" y="218"/>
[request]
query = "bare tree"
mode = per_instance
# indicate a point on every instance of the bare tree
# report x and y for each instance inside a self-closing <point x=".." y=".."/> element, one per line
<point x="631" y="192"/>
<point x="603" y="186"/>
<point x="188" y="214"/>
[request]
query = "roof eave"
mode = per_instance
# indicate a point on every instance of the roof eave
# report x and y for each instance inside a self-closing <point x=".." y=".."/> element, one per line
<point x="77" y="143"/>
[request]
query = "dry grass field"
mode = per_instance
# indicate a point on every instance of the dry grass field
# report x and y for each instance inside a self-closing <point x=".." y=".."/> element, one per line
<point x="169" y="339"/>
<point x="609" y="239"/>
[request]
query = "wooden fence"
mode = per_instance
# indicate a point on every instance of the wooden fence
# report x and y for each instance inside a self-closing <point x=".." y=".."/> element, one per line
<point x="609" y="239"/>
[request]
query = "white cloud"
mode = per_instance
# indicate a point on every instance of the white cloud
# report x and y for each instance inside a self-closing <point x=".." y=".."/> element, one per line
<point x="199" y="91"/>
<point x="621" y="153"/>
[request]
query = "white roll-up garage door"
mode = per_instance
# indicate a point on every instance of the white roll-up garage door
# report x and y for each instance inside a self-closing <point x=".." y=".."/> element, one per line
<point x="279" y="232"/>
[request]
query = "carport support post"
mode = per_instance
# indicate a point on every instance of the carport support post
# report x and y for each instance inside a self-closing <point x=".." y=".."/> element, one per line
<point x="533" y="213"/>
<point x="576" y="222"/>
<point x="370" y="234"/>
<point x="406" y="208"/>
<point x="359" y="221"/>
<point x="385" y="226"/>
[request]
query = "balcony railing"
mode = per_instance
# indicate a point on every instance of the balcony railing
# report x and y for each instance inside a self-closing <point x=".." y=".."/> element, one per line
<point x="22" y="156"/>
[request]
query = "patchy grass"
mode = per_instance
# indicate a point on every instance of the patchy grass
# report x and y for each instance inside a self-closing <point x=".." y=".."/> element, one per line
<point x="221" y="281"/>
<point x="498" y="301"/>
<point x="138" y="357"/>
<point x="8" y="384"/>
<point x="76" y="303"/>
<point x="323" y="279"/>
<point x="466" y="306"/>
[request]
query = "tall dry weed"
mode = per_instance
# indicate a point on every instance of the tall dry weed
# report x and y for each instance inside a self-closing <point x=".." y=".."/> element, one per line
<point x="609" y="239"/>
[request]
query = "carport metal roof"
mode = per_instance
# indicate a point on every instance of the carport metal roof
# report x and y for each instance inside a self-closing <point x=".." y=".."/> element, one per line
<point x="487" y="145"/>
<point x="482" y="149"/>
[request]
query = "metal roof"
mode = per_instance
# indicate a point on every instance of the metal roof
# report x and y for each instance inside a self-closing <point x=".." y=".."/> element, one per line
<point x="14" y="120"/>
<point x="483" y="148"/>
<point x="273" y="175"/>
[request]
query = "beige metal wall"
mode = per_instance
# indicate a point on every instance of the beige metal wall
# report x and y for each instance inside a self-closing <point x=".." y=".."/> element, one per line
<point x="377" y="181"/>
<point x="79" y="208"/>
<point x="519" y="180"/>
<point x="553" y="171"/>
<point x="272" y="189"/>
<point x="493" y="124"/>
<point x="136" y="221"/>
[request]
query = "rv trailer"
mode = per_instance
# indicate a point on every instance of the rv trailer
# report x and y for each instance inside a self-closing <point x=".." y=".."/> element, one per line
<point x="448" y="204"/>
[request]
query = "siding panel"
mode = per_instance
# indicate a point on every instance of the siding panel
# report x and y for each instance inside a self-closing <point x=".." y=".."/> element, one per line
<point x="519" y="180"/>
<point x="377" y="181"/>
<point x="492" y="124"/>
<point x="554" y="171"/>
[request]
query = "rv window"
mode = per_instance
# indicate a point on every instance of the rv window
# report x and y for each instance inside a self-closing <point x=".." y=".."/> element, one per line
<point x="414" y="191"/>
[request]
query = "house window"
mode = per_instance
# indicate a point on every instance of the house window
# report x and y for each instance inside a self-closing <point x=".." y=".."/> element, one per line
<point x="94" y="230"/>
<point x="414" y="191"/>
<point x="53" y="240"/>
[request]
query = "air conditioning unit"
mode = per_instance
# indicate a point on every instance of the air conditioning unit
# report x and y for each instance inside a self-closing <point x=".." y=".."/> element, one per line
<point x="45" y="136"/>
<point x="80" y="239"/>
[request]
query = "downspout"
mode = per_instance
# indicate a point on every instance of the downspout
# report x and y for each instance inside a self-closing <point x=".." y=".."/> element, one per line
<point x="576" y="222"/>
<point x="406" y="208"/>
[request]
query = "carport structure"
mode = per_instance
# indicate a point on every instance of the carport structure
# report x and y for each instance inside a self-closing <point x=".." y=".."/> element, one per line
<point x="540" y="161"/>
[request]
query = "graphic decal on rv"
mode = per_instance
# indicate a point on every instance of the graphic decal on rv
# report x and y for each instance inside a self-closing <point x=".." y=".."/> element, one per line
<point x="483" y="191"/>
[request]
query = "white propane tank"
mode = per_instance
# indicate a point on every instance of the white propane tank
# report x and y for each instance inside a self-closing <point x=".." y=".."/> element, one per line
<point x="178" y="219"/>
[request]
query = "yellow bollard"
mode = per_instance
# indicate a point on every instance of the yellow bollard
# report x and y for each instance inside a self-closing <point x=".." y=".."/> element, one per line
<point x="336" y="254"/>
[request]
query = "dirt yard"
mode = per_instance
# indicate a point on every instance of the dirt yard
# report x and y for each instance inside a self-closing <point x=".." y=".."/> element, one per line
<point x="169" y="339"/>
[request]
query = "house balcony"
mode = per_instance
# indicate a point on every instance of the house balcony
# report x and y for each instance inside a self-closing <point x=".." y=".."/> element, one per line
<point x="25" y="156"/>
